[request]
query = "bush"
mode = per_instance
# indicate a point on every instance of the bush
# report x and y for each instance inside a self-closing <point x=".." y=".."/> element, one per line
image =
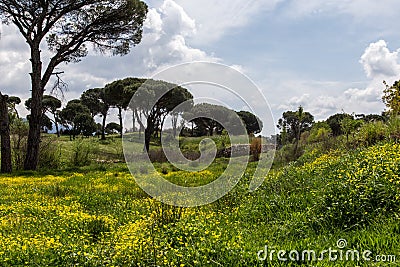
<point x="82" y="151"/>
<point x="49" y="153"/>
<point x="19" y="137"/>
<point x="157" y="155"/>
<point x="393" y="128"/>
<point x="362" y="186"/>
<point x="371" y="133"/>
<point x="286" y="154"/>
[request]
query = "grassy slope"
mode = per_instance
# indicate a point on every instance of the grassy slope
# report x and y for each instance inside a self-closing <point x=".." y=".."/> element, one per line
<point x="98" y="216"/>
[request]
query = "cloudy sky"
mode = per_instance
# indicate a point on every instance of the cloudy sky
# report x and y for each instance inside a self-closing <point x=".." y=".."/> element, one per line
<point x="328" y="56"/>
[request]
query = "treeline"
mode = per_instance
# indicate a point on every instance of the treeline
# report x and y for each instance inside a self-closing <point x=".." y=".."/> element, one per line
<point x="154" y="101"/>
<point x="299" y="131"/>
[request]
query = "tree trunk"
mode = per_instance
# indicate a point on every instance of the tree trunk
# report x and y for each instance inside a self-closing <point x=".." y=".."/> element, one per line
<point x="6" y="165"/>
<point x="141" y="126"/>
<point x="103" y="127"/>
<point x="120" y="121"/>
<point x="161" y="127"/>
<point x="32" y="153"/>
<point x="56" y="124"/>
<point x="148" y="131"/>
<point x="147" y="137"/>
<point x="57" y="130"/>
<point x="133" y="122"/>
<point x="174" y="124"/>
<point x="297" y="141"/>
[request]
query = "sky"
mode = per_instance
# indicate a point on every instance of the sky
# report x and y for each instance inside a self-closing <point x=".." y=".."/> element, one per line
<point x="327" y="56"/>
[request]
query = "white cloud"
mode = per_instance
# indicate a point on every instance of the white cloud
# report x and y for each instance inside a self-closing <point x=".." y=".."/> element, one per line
<point x="14" y="64"/>
<point x="215" y="19"/>
<point x="318" y="105"/>
<point x="379" y="61"/>
<point x="164" y="43"/>
<point x="379" y="64"/>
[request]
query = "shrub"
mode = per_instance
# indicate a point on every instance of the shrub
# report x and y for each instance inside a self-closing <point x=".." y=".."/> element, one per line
<point x="393" y="128"/>
<point x="82" y="151"/>
<point x="371" y="133"/>
<point x="286" y="154"/>
<point x="49" y="153"/>
<point x="19" y="136"/>
<point x="255" y="148"/>
<point x="164" y="168"/>
<point x="157" y="155"/>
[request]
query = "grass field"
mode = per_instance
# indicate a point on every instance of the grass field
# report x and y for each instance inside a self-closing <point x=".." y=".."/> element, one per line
<point x="97" y="215"/>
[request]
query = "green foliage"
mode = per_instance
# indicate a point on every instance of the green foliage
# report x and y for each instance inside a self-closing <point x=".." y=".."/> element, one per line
<point x="95" y="218"/>
<point x="94" y="100"/>
<point x="320" y="132"/>
<point x="349" y="125"/>
<point x="371" y="133"/>
<point x="293" y="124"/>
<point x="253" y="124"/>
<point x="157" y="99"/>
<point x="83" y="151"/>
<point x="49" y="154"/>
<point x="209" y="118"/>
<point x="19" y="135"/>
<point x="113" y="127"/>
<point x="393" y="126"/>
<point x="391" y="97"/>
<point x="77" y="116"/>
<point x="50" y="104"/>
<point x="334" y="122"/>
<point x="285" y="155"/>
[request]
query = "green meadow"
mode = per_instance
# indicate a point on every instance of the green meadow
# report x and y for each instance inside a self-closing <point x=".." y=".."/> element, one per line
<point x="96" y="215"/>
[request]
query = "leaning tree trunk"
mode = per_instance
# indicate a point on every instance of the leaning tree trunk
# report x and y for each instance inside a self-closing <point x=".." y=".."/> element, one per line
<point x="32" y="153"/>
<point x="141" y="126"/>
<point x="6" y="165"/>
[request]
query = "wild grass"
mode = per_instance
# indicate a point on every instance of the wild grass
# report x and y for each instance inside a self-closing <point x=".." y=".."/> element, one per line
<point x="98" y="216"/>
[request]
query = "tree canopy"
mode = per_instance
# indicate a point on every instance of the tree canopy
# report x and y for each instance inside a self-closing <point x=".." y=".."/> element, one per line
<point x="157" y="99"/>
<point x="50" y="104"/>
<point x="97" y="103"/>
<point x="293" y="123"/>
<point x="69" y="27"/>
<point x="119" y="93"/>
<point x="77" y="117"/>
<point x="334" y="122"/>
<point x="209" y="119"/>
<point x="253" y="124"/>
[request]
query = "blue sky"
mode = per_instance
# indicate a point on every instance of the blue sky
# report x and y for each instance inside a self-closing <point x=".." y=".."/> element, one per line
<point x="327" y="56"/>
